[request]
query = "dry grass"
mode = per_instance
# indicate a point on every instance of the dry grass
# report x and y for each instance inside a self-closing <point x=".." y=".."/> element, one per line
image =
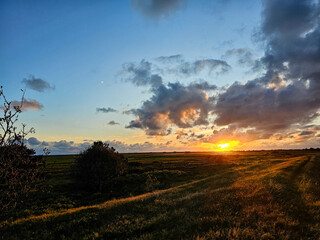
<point x="255" y="195"/>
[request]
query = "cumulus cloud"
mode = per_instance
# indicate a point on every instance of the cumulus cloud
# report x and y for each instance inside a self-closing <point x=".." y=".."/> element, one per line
<point x="33" y="141"/>
<point x="255" y="105"/>
<point x="157" y="8"/>
<point x="106" y="110"/>
<point x="174" y="104"/>
<point x="289" y="92"/>
<point x="70" y="147"/>
<point x="285" y="97"/>
<point x="140" y="74"/>
<point x="140" y="147"/>
<point x="112" y="123"/>
<point x="28" y="104"/>
<point x="37" y="84"/>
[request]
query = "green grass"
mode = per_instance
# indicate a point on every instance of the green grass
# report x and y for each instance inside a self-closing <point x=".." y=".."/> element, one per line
<point x="241" y="195"/>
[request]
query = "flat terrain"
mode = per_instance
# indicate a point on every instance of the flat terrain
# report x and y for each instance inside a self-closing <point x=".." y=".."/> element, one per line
<point x="237" y="195"/>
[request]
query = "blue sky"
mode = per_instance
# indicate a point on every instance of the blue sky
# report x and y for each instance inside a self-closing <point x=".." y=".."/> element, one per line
<point x="80" y="49"/>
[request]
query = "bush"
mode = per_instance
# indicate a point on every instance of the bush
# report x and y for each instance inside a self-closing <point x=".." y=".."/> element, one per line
<point x="19" y="169"/>
<point x="97" y="167"/>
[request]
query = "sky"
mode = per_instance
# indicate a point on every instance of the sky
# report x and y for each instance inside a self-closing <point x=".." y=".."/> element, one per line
<point x="164" y="75"/>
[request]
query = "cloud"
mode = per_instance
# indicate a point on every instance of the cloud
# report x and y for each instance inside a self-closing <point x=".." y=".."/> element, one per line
<point x="155" y="9"/>
<point x="194" y="68"/>
<point x="288" y="94"/>
<point x="33" y="141"/>
<point x="70" y="147"/>
<point x="181" y="133"/>
<point x="112" y="123"/>
<point x="106" y="110"/>
<point x="140" y="74"/>
<point x="28" y="104"/>
<point x="140" y="147"/>
<point x="149" y="74"/>
<point x="276" y="106"/>
<point x="170" y="59"/>
<point x="37" y="84"/>
<point x="255" y="105"/>
<point x="244" y="55"/>
<point x="174" y="104"/>
<point x="304" y="133"/>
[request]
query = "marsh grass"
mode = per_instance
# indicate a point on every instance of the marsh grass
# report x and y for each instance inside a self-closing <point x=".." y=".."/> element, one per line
<point x="244" y="195"/>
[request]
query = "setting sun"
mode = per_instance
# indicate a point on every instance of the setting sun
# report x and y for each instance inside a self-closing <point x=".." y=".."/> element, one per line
<point x="224" y="146"/>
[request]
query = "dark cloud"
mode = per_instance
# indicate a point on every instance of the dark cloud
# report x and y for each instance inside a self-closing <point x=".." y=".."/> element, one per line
<point x="112" y="123"/>
<point x="37" y="84"/>
<point x="289" y="92"/>
<point x="28" y="104"/>
<point x="174" y="104"/>
<point x="289" y="17"/>
<point x="181" y="133"/>
<point x="140" y="74"/>
<point x="33" y="141"/>
<point x="106" y="110"/>
<point x="157" y="8"/>
<point x="255" y="105"/>
<point x="304" y="133"/>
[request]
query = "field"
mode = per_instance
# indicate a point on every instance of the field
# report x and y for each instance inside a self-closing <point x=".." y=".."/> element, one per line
<point x="236" y="195"/>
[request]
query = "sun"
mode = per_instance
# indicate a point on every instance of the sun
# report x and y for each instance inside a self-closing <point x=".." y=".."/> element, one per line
<point x="223" y="146"/>
<point x="226" y="146"/>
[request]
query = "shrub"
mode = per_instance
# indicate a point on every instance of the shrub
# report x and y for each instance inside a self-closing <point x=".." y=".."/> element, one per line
<point x="152" y="183"/>
<point x="19" y="169"/>
<point x="97" y="167"/>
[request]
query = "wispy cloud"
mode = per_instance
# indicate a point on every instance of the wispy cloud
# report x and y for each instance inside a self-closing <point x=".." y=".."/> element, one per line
<point x="106" y="110"/>
<point x="155" y="9"/>
<point x="112" y="123"/>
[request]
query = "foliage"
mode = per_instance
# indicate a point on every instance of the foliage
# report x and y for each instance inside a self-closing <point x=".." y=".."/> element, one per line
<point x="97" y="167"/>
<point x="152" y="183"/>
<point x="19" y="169"/>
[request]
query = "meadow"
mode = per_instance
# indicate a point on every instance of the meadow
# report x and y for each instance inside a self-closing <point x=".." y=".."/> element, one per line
<point x="234" y="195"/>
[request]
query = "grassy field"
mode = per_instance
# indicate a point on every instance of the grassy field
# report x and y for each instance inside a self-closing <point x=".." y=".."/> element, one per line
<point x="237" y="195"/>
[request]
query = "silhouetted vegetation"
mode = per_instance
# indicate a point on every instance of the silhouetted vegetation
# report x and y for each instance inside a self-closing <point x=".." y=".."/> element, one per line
<point x="19" y="168"/>
<point x="97" y="167"/>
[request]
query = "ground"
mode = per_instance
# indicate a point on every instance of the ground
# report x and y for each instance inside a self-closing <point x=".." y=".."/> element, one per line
<point x="236" y="195"/>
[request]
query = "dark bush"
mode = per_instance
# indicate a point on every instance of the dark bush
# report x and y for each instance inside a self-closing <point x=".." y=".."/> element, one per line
<point x="19" y="169"/>
<point x="97" y="167"/>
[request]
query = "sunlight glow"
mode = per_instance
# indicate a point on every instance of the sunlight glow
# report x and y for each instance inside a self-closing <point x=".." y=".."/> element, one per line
<point x="227" y="146"/>
<point x="223" y="146"/>
<point x="220" y="146"/>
